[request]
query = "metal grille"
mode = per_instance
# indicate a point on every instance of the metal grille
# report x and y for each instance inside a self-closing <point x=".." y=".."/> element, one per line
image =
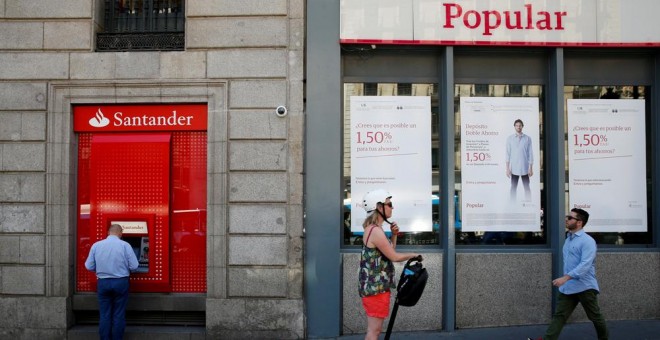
<point x="140" y="41"/>
<point x="142" y="25"/>
<point x="404" y="89"/>
<point x="170" y="318"/>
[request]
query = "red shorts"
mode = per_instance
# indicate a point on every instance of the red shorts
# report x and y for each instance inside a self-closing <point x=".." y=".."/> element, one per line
<point x="377" y="306"/>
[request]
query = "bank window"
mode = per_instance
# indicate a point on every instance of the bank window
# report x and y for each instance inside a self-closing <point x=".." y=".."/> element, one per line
<point x="608" y="161"/>
<point x="499" y="145"/>
<point x="355" y="238"/>
<point x="142" y="25"/>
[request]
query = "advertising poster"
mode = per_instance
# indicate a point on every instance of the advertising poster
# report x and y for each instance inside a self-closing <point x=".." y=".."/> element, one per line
<point x="500" y="164"/>
<point x="607" y="163"/>
<point x="391" y="150"/>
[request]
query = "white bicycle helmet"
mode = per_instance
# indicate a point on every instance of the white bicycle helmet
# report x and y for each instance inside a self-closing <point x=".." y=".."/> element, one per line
<point x="372" y="198"/>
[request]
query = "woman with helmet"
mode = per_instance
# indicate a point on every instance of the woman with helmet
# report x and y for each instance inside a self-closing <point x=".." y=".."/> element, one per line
<point x="376" y="274"/>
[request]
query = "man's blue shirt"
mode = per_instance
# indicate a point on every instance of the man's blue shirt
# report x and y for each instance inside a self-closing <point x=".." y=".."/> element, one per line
<point x="111" y="258"/>
<point x="579" y="263"/>
<point x="519" y="154"/>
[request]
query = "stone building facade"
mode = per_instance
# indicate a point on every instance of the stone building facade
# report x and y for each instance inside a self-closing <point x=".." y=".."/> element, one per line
<point x="242" y="58"/>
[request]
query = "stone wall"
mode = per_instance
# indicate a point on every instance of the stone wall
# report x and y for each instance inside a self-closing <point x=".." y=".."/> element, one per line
<point x="243" y="57"/>
<point x="494" y="290"/>
<point x="629" y="286"/>
<point x="503" y="289"/>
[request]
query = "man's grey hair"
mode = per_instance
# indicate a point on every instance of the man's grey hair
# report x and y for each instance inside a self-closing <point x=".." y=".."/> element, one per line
<point x="115" y="229"/>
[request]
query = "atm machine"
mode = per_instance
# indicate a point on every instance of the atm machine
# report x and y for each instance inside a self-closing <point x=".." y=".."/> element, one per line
<point x="144" y="167"/>
<point x="136" y="233"/>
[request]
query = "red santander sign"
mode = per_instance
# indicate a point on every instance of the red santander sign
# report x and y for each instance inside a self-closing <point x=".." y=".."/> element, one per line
<point x="140" y="117"/>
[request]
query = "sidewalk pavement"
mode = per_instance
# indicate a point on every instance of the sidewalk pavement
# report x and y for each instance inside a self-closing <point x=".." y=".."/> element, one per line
<point x="619" y="330"/>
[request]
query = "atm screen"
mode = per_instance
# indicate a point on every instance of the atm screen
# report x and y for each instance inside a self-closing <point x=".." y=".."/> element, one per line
<point x="140" y="246"/>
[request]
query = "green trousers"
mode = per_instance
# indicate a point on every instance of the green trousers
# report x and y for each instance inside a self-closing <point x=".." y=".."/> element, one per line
<point x="566" y="305"/>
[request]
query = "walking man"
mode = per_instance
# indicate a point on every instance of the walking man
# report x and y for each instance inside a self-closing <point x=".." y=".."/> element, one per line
<point x="578" y="285"/>
<point x="112" y="260"/>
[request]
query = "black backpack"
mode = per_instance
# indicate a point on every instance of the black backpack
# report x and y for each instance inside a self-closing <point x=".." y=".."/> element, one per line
<point x="412" y="282"/>
<point x="410" y="288"/>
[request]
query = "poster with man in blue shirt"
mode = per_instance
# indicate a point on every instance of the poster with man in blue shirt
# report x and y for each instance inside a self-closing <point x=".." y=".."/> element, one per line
<point x="578" y="284"/>
<point x="112" y="260"/>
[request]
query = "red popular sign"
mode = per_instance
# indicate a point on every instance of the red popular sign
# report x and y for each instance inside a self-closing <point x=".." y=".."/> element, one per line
<point x="140" y="117"/>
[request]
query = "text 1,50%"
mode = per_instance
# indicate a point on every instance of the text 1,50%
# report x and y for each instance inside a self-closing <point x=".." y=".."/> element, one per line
<point x="369" y="137"/>
<point x="477" y="156"/>
<point x="588" y="139"/>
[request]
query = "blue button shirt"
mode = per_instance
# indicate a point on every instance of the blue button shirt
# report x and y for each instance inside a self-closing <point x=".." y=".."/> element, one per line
<point x="519" y="154"/>
<point x="111" y="258"/>
<point x="579" y="263"/>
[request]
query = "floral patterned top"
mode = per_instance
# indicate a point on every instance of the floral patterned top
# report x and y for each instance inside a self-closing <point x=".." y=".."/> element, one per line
<point x="376" y="271"/>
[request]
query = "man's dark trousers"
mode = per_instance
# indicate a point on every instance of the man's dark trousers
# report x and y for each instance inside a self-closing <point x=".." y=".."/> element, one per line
<point x="112" y="295"/>
<point x="565" y="306"/>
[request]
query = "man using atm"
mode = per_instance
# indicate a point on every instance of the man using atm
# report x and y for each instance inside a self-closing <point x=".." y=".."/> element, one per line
<point x="112" y="260"/>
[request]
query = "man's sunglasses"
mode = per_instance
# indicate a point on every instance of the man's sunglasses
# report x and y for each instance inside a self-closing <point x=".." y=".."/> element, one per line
<point x="569" y="217"/>
<point x="389" y="204"/>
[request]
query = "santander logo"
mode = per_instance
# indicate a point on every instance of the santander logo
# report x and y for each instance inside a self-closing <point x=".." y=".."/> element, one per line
<point x="99" y="120"/>
<point x="140" y="117"/>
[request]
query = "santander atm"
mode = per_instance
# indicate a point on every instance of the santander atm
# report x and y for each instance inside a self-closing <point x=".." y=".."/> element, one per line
<point x="143" y="166"/>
